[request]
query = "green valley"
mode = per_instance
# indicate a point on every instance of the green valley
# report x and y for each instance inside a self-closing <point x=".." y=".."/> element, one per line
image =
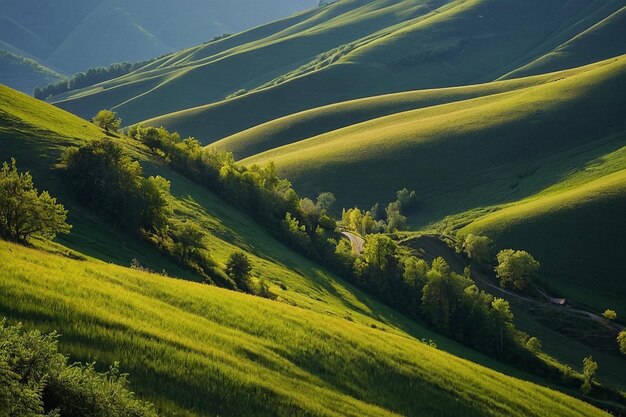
<point x="363" y="208"/>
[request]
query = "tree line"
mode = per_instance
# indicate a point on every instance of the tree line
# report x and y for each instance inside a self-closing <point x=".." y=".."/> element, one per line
<point x="88" y="78"/>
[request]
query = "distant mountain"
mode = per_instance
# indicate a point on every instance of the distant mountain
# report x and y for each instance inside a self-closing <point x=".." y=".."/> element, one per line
<point x="75" y="35"/>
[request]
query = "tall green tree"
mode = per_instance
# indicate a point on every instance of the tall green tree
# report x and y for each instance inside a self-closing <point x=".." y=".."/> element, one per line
<point x="325" y="202"/>
<point x="379" y="254"/>
<point x="442" y="294"/>
<point x="25" y="213"/>
<point x="503" y="319"/>
<point x="589" y="371"/>
<point x="516" y="269"/>
<point x="395" y="220"/>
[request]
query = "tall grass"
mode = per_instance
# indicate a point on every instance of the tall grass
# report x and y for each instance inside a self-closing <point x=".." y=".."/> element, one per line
<point x="201" y="350"/>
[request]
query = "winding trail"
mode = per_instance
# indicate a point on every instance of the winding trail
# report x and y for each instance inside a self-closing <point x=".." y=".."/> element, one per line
<point x="358" y="243"/>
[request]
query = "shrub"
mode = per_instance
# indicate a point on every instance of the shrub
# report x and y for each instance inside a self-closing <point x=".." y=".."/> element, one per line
<point x="239" y="268"/>
<point x="589" y="370"/>
<point x="534" y="345"/>
<point x="407" y="201"/>
<point x="24" y="212"/>
<point x="610" y="315"/>
<point x="35" y="380"/>
<point x="478" y="249"/>
<point x="107" y="120"/>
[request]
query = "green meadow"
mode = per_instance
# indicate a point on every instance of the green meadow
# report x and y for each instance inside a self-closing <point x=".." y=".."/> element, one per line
<point x="324" y="348"/>
<point x="507" y="119"/>
<point x="195" y="349"/>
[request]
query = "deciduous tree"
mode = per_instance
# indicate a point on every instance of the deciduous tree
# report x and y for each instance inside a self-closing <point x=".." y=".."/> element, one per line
<point x="516" y="268"/>
<point x="107" y="120"/>
<point x="24" y="212"/>
<point x="239" y="269"/>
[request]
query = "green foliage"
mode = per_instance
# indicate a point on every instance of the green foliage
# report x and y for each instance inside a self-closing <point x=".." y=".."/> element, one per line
<point x="503" y="319"/>
<point x="534" y="345"/>
<point x="325" y="202"/>
<point x="516" y="269"/>
<point x="35" y="380"/>
<point x="189" y="239"/>
<point x="25" y="213"/>
<point x="237" y="93"/>
<point x="239" y="269"/>
<point x="415" y="272"/>
<point x="589" y="370"/>
<point x="395" y="220"/>
<point x="450" y="302"/>
<point x="621" y="341"/>
<point x="256" y="190"/>
<point x="107" y="120"/>
<point x="442" y="294"/>
<point x="87" y="78"/>
<point x="407" y="201"/>
<point x="478" y="249"/>
<point x="610" y="315"/>
<point x="110" y="182"/>
<point x="380" y="254"/>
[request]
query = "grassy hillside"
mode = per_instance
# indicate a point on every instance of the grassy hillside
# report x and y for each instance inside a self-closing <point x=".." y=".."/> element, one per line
<point x="574" y="234"/>
<point x="75" y="36"/>
<point x="601" y="41"/>
<point x="469" y="153"/>
<point x="24" y="74"/>
<point x="356" y="49"/>
<point x="194" y="347"/>
<point x="314" y="122"/>
<point x="327" y="349"/>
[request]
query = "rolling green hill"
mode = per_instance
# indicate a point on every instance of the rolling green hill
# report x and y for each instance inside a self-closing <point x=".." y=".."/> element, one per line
<point x="76" y="35"/>
<point x="575" y="235"/>
<point x="602" y="41"/>
<point x="314" y="122"/>
<point x="195" y="347"/>
<point x="326" y="349"/>
<point x="348" y="50"/>
<point x="479" y="154"/>
<point x="479" y="151"/>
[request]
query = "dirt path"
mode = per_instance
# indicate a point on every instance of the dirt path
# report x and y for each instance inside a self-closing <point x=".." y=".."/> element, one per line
<point x="358" y="243"/>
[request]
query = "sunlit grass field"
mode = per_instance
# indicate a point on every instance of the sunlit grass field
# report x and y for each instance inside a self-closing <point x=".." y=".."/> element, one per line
<point x="193" y="348"/>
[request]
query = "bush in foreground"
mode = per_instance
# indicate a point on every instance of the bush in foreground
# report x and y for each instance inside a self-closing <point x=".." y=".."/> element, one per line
<point x="35" y="380"/>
